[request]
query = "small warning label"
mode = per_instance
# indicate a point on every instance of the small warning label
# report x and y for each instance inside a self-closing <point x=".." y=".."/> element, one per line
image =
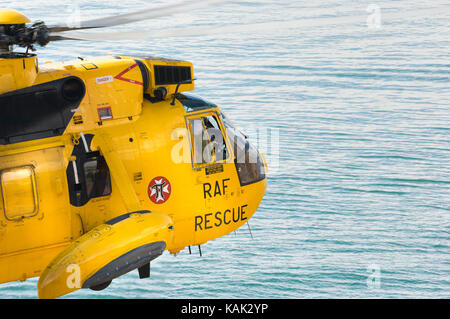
<point x="105" y="79"/>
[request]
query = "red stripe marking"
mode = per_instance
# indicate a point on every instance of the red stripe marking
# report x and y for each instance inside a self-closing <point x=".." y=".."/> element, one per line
<point x="119" y="76"/>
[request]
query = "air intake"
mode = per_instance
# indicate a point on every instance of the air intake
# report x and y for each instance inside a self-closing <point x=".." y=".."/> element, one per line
<point x="166" y="75"/>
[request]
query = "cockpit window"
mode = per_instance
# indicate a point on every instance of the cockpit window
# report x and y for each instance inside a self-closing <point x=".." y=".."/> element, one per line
<point x="249" y="164"/>
<point x="209" y="145"/>
<point x="193" y="103"/>
<point x="203" y="150"/>
<point x="216" y="137"/>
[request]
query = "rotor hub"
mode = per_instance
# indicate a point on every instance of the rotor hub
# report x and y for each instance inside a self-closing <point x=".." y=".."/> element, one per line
<point x="14" y="31"/>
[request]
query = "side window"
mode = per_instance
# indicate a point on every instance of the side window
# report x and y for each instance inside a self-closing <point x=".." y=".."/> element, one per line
<point x="249" y="163"/>
<point x="208" y="143"/>
<point x="97" y="177"/>
<point x="19" y="196"/>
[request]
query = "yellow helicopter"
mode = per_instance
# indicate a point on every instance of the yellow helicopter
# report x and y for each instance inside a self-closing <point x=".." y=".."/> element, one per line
<point x="106" y="163"/>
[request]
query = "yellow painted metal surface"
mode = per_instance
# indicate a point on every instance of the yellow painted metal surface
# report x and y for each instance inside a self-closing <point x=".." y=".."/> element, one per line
<point x="17" y="74"/>
<point x="50" y="221"/>
<point x="10" y="16"/>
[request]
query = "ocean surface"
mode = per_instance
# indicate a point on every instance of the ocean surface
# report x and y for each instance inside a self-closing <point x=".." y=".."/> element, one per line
<point x="353" y="98"/>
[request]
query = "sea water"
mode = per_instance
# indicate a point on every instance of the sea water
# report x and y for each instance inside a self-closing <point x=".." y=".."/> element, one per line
<point x="351" y="102"/>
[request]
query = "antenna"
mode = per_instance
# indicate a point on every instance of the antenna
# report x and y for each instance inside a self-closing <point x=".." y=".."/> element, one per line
<point x="250" y="230"/>
<point x="178" y="86"/>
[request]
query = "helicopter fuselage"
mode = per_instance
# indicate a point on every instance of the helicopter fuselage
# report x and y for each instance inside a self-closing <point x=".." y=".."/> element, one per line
<point x="94" y="153"/>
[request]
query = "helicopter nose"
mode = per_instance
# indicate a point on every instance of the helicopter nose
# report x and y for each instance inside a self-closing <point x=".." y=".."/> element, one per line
<point x="255" y="186"/>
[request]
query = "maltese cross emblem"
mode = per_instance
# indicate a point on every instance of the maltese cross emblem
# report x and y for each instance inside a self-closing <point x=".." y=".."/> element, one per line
<point x="159" y="190"/>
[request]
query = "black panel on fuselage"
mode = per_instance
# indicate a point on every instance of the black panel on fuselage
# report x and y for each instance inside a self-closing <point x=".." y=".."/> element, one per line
<point x="39" y="111"/>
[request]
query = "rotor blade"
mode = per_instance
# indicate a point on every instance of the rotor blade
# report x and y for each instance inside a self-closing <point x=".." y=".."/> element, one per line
<point x="57" y="37"/>
<point x="180" y="32"/>
<point x="266" y="27"/>
<point x="144" y="14"/>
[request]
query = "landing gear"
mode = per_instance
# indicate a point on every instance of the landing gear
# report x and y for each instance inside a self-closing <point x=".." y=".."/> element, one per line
<point x="144" y="271"/>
